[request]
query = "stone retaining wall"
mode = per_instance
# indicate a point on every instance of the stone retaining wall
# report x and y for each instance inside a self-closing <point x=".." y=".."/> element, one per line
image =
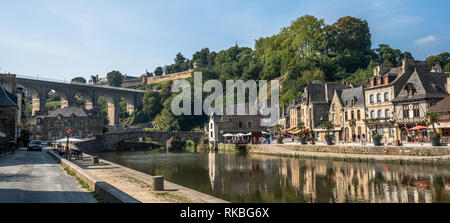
<point x="374" y="150"/>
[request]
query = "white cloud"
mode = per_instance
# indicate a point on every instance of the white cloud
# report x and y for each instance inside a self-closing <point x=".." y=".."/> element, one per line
<point x="425" y="40"/>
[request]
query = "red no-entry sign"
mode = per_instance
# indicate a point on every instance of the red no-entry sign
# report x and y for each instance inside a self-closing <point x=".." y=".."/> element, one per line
<point x="68" y="131"/>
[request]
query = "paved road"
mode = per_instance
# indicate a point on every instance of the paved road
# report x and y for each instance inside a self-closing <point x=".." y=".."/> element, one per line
<point x="34" y="177"/>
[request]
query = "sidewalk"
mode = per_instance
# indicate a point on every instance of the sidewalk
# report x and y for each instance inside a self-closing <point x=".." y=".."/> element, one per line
<point x="138" y="185"/>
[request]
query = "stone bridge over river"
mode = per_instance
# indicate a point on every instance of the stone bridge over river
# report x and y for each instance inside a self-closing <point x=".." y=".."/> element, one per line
<point x="106" y="142"/>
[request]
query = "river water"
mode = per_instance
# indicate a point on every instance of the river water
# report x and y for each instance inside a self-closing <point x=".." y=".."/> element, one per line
<point x="260" y="178"/>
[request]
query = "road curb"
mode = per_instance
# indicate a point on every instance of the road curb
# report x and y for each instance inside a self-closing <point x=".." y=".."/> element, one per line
<point x="106" y="190"/>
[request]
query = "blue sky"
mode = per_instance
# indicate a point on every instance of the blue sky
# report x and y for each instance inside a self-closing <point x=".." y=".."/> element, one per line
<point x="63" y="39"/>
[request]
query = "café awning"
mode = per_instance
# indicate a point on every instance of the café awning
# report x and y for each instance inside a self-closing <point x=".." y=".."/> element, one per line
<point x="419" y="127"/>
<point x="289" y="129"/>
<point x="296" y="132"/>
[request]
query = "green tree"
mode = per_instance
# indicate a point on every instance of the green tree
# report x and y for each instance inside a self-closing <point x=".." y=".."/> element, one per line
<point x="79" y="80"/>
<point x="123" y="112"/>
<point x="432" y="119"/>
<point x="158" y="71"/>
<point x="166" y="121"/>
<point x="442" y="59"/>
<point x="152" y="103"/>
<point x="114" y="78"/>
<point x="349" y="34"/>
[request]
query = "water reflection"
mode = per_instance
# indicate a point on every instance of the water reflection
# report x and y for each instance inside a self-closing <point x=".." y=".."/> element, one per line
<point x="258" y="178"/>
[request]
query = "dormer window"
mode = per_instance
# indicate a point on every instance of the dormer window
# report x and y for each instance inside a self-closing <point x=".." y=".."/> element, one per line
<point x="39" y="121"/>
<point x="59" y="117"/>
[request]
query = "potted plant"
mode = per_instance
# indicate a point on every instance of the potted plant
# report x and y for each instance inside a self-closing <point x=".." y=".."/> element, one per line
<point x="302" y="135"/>
<point x="376" y="137"/>
<point x="280" y="137"/>
<point x="329" y="126"/>
<point x="432" y="119"/>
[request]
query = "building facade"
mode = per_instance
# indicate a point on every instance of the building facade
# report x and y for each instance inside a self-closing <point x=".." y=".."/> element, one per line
<point x="421" y="91"/>
<point x="347" y="113"/>
<point x="383" y="87"/>
<point x="85" y="123"/>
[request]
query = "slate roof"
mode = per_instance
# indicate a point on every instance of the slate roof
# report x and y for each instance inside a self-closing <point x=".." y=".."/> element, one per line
<point x="442" y="106"/>
<point x="5" y="98"/>
<point x="66" y="113"/>
<point x="426" y="85"/>
<point x="316" y="91"/>
<point x="69" y="111"/>
<point x="347" y="95"/>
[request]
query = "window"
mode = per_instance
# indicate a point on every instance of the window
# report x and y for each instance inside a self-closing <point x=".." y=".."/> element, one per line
<point x="390" y="132"/>
<point x="79" y="123"/>
<point x="353" y="115"/>
<point x="380" y="114"/>
<point x="387" y="113"/>
<point x="372" y="114"/>
<point x="386" y="96"/>
<point x="39" y="121"/>
<point x="352" y="102"/>
<point x="334" y="118"/>
<point x="240" y="124"/>
<point x="346" y="116"/>
<point x="378" y="97"/>
<point x="249" y="124"/>
<point x="416" y="110"/>
<point x="358" y="115"/>
<point x="371" y="99"/>
<point x="405" y="111"/>
<point x="52" y="124"/>
<point x="333" y="107"/>
<point x="66" y="124"/>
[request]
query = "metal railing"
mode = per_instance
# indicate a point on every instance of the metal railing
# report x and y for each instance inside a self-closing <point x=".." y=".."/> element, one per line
<point x="75" y="83"/>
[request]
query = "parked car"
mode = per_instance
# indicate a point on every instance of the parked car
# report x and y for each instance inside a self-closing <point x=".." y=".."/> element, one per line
<point x="35" y="145"/>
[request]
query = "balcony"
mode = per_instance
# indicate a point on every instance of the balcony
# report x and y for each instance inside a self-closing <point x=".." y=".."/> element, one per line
<point x="411" y="120"/>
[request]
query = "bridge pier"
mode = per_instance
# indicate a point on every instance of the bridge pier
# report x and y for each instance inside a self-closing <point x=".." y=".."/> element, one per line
<point x="113" y="109"/>
<point x="39" y="95"/>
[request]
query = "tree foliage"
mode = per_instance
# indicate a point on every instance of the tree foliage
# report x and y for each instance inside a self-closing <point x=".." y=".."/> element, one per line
<point x="114" y="78"/>
<point x="79" y="80"/>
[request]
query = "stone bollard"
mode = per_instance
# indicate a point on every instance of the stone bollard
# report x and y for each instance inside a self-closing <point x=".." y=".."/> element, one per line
<point x="158" y="183"/>
<point x="95" y="160"/>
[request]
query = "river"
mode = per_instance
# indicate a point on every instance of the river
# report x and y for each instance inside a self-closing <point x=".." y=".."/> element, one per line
<point x="260" y="178"/>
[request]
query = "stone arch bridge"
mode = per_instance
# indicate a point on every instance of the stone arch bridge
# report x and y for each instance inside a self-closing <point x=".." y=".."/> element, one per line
<point x="39" y="89"/>
<point x="106" y="142"/>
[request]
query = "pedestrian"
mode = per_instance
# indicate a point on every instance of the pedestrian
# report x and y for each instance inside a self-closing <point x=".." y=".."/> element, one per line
<point x="363" y="139"/>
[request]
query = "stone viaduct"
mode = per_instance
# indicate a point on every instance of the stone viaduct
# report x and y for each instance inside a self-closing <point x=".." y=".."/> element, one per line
<point x="39" y="89"/>
<point x="106" y="142"/>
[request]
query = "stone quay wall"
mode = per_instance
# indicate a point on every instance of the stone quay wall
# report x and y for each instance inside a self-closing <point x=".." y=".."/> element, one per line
<point x="373" y="150"/>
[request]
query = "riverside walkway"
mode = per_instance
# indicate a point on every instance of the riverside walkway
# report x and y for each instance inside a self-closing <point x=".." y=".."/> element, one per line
<point x="34" y="177"/>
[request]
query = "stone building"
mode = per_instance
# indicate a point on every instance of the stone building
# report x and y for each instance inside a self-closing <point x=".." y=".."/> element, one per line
<point x="8" y="111"/>
<point x="294" y="114"/>
<point x="347" y="112"/>
<point x="16" y="93"/>
<point x="85" y="123"/>
<point x="219" y="125"/>
<point x="421" y="91"/>
<point x="384" y="86"/>
<point x="315" y="105"/>
<point x="443" y="109"/>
